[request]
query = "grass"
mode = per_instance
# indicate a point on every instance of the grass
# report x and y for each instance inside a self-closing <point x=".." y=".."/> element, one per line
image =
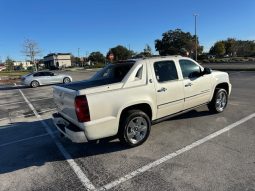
<point x="13" y="74"/>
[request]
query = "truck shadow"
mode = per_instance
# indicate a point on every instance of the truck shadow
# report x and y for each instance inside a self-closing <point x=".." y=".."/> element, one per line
<point x="192" y="114"/>
<point x="27" y="144"/>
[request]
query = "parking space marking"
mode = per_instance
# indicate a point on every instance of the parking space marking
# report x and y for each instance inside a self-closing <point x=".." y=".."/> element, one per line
<point x="174" y="154"/>
<point x="26" y="139"/>
<point x="82" y="177"/>
<point x="13" y="103"/>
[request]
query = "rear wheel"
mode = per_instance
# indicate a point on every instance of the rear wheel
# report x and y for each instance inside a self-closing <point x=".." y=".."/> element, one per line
<point x="219" y="101"/>
<point x="134" y="128"/>
<point x="66" y="80"/>
<point x="34" y="84"/>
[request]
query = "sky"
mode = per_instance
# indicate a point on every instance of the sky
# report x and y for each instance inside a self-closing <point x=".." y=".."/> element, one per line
<point x="97" y="25"/>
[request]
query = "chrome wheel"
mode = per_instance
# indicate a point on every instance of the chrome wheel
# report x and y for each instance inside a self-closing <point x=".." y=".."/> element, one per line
<point x="221" y="101"/>
<point x="67" y="80"/>
<point x="34" y="84"/>
<point x="137" y="129"/>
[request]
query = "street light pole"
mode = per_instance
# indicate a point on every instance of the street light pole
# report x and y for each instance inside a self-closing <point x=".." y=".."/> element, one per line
<point x="195" y="15"/>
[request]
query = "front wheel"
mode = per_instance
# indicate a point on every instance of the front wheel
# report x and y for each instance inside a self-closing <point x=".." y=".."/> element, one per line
<point x="219" y="101"/>
<point x="134" y="128"/>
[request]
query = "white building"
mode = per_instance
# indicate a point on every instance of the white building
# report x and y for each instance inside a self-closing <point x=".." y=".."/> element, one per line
<point x="22" y="64"/>
<point x="57" y="60"/>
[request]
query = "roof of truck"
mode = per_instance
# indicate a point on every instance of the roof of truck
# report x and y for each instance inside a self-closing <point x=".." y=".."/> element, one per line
<point x="133" y="60"/>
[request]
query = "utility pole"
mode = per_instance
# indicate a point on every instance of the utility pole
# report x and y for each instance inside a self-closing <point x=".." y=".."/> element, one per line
<point x="78" y="52"/>
<point x="196" y="15"/>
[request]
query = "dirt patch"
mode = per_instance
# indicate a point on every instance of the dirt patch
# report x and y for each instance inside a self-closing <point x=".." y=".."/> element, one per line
<point x="8" y="81"/>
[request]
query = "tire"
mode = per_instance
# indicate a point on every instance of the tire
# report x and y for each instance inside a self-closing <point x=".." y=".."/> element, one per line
<point x="66" y="80"/>
<point x="34" y="84"/>
<point x="134" y="128"/>
<point x="219" y="101"/>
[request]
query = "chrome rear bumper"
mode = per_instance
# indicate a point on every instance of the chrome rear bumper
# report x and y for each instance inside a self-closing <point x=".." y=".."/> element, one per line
<point x="69" y="130"/>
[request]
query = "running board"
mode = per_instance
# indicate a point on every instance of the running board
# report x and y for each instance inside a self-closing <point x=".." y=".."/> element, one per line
<point x="176" y="114"/>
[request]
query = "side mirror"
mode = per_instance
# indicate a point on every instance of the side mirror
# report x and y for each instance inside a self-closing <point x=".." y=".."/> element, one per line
<point x="207" y="71"/>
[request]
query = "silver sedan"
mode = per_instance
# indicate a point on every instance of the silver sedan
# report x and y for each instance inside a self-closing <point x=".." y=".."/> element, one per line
<point x="44" y="78"/>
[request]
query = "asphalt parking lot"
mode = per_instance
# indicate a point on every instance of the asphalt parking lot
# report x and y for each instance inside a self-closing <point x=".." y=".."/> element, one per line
<point x="194" y="151"/>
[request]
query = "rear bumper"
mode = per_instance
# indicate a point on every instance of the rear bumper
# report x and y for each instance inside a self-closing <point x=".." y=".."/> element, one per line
<point x="69" y="130"/>
<point x="25" y="83"/>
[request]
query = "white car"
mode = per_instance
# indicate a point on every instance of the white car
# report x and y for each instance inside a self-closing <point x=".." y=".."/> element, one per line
<point x="44" y="78"/>
<point x="125" y="99"/>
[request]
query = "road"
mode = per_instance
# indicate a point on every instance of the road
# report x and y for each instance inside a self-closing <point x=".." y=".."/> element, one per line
<point x="194" y="151"/>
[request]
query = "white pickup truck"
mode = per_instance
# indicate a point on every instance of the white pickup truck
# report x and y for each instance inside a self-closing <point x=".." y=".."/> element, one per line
<point x="124" y="99"/>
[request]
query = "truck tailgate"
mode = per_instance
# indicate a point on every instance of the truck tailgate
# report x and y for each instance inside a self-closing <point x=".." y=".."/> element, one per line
<point x="64" y="99"/>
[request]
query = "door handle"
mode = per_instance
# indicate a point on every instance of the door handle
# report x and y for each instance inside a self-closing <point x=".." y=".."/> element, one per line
<point x="162" y="90"/>
<point x="188" y="84"/>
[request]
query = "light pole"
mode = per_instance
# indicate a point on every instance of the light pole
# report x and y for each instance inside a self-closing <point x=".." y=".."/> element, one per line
<point x="195" y="15"/>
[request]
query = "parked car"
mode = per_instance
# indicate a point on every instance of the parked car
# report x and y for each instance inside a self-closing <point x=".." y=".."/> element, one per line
<point x="124" y="99"/>
<point x="43" y="78"/>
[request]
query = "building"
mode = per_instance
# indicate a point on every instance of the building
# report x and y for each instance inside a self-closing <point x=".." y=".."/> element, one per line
<point x="57" y="60"/>
<point x="2" y="67"/>
<point x="22" y="64"/>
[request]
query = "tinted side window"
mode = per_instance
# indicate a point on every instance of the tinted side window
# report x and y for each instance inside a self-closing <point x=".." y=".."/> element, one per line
<point x="38" y="74"/>
<point x="165" y="71"/>
<point x="47" y="74"/>
<point x="189" y="69"/>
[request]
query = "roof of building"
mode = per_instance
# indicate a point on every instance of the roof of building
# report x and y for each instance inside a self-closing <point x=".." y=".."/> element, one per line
<point x="56" y="54"/>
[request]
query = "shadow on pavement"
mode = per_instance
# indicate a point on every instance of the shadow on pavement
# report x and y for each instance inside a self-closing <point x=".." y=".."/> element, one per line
<point x="41" y="150"/>
<point x="10" y="87"/>
<point x="192" y="114"/>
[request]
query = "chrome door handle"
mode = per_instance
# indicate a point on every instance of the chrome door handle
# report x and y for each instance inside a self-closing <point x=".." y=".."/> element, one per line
<point x="162" y="90"/>
<point x="188" y="84"/>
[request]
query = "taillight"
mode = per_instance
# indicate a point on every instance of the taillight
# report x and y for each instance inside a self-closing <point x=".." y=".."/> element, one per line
<point x="82" y="109"/>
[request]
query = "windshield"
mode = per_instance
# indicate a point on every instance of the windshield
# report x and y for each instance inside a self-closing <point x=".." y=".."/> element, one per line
<point x="113" y="72"/>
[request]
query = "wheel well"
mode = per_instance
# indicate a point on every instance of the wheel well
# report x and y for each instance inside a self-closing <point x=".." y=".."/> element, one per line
<point x="34" y="81"/>
<point x="66" y="77"/>
<point x="143" y="107"/>
<point x="223" y="86"/>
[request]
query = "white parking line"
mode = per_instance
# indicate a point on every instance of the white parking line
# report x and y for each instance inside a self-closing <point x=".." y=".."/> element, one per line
<point x="82" y="177"/>
<point x="14" y="103"/>
<point x="174" y="154"/>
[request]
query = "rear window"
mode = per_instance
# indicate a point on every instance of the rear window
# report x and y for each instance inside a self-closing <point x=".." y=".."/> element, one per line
<point x="113" y="73"/>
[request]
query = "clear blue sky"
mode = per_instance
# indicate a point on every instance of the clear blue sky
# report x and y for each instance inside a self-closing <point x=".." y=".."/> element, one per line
<point x="97" y="25"/>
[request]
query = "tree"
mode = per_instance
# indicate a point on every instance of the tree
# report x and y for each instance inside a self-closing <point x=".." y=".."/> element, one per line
<point x="147" y="52"/>
<point x="76" y="60"/>
<point x="174" y="41"/>
<point x="230" y="46"/>
<point x="9" y="64"/>
<point x="120" y="53"/>
<point x="97" y="57"/>
<point x="218" y="49"/>
<point x="233" y="47"/>
<point x="31" y="50"/>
